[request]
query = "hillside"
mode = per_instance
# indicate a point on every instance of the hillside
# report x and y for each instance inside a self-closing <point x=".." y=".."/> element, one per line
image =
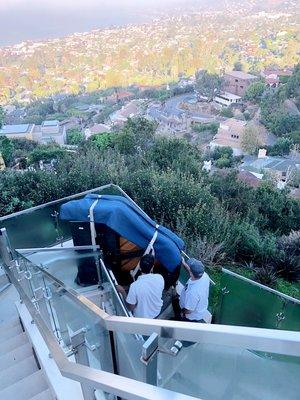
<point x="152" y="53"/>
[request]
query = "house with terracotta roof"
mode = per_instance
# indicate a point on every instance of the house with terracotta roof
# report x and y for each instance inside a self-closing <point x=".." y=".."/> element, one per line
<point x="237" y="82"/>
<point x="96" y="129"/>
<point x="229" y="135"/>
<point x="129" y="110"/>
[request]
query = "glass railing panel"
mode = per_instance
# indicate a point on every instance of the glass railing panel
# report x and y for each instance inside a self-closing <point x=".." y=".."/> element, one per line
<point x="40" y="226"/>
<point x="246" y="303"/>
<point x="71" y="317"/>
<point x="128" y="353"/>
<point x="213" y="372"/>
<point x="66" y="265"/>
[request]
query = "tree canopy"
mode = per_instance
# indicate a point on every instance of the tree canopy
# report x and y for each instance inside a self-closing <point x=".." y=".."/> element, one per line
<point x="208" y="84"/>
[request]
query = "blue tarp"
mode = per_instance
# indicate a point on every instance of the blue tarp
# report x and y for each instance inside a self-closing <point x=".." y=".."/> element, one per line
<point x="127" y="220"/>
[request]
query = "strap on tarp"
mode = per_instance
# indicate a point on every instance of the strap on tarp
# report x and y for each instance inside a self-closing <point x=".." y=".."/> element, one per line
<point x="149" y="249"/>
<point x="92" y="222"/>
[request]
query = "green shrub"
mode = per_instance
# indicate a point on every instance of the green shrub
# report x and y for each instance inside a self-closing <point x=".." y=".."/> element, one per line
<point x="226" y="112"/>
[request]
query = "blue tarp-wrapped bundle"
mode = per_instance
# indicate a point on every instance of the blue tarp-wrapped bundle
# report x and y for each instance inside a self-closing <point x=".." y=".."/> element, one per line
<point x="128" y="221"/>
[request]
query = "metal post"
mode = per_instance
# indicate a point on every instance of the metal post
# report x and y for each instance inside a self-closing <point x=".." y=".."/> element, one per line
<point x="149" y="359"/>
<point x="5" y="249"/>
<point x="81" y="356"/>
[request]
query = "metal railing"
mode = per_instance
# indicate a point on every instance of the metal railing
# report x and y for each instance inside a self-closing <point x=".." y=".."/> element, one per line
<point x="274" y="341"/>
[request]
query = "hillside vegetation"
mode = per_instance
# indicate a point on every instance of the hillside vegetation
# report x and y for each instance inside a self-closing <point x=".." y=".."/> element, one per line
<point x="221" y="219"/>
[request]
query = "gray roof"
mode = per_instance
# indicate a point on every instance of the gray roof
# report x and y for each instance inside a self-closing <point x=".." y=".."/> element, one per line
<point x="255" y="164"/>
<point x="14" y="129"/>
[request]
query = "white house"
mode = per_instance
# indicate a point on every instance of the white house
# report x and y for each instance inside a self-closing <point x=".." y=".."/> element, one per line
<point x="49" y="131"/>
<point x="227" y="99"/>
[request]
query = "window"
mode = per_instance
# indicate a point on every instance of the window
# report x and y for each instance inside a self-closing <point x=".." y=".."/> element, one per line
<point x="236" y="80"/>
<point x="242" y="87"/>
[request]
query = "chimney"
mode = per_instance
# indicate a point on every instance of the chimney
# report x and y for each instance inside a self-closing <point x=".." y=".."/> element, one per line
<point x="262" y="153"/>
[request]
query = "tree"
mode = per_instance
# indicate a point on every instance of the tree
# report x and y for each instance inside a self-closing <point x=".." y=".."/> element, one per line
<point x="252" y="138"/>
<point x="6" y="149"/>
<point x="222" y="152"/>
<point x="125" y="142"/>
<point x="224" y="162"/>
<point x="142" y="131"/>
<point x="209" y="85"/>
<point x="284" y="123"/>
<point x="281" y="147"/>
<point x="211" y="127"/>
<point x="255" y="91"/>
<point x="75" y="136"/>
<point x="46" y="153"/>
<point x="238" y="66"/>
<point x="2" y="114"/>
<point x="226" y="112"/>
<point x="102" y="140"/>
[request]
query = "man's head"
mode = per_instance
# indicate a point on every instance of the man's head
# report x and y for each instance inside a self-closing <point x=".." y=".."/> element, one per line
<point x="196" y="267"/>
<point x="146" y="263"/>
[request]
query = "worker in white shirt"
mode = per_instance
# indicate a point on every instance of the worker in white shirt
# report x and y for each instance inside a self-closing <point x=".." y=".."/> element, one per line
<point x="144" y="298"/>
<point x="194" y="296"/>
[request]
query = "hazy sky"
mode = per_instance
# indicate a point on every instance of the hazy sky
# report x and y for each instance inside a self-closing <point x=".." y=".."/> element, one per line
<point x="40" y="19"/>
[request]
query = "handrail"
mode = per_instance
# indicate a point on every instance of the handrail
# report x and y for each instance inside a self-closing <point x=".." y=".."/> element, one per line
<point x="259" y="339"/>
<point x="284" y="296"/>
<point x="105" y="381"/>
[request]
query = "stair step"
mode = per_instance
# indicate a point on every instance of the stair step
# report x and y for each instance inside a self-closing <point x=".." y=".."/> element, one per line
<point x="8" y="333"/>
<point x="18" y="371"/>
<point x="3" y="280"/>
<point x="10" y="324"/>
<point x="13" y="343"/>
<point x="26" y="388"/>
<point x="15" y="356"/>
<point x="45" y="395"/>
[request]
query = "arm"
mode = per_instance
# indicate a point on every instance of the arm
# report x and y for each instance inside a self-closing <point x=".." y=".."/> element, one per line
<point x="186" y="267"/>
<point x="123" y="293"/>
<point x="131" y="299"/>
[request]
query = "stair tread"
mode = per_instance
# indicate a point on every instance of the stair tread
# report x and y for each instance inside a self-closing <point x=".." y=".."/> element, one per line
<point x="45" y="395"/>
<point x="25" y="388"/>
<point x="16" y="355"/>
<point x="9" y="324"/>
<point x="13" y="343"/>
<point x="8" y="333"/>
<point x="18" y="371"/>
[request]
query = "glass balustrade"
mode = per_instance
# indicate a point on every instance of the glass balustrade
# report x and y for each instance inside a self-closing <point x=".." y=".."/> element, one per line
<point x="213" y="372"/>
<point x="40" y="226"/>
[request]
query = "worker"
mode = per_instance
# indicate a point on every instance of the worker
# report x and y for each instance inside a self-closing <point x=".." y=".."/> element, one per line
<point x="144" y="298"/>
<point x="194" y="296"/>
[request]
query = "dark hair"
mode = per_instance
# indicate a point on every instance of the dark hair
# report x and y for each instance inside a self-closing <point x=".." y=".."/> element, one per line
<point x="146" y="263"/>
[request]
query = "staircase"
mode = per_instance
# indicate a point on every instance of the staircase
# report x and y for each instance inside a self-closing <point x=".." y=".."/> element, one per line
<point x="20" y="375"/>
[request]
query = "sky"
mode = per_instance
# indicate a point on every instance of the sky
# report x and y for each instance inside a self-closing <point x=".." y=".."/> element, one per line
<point x="41" y="19"/>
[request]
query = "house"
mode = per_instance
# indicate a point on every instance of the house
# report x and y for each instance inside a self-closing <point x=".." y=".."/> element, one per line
<point x="96" y="129"/>
<point x="20" y="131"/>
<point x="230" y="134"/>
<point x="250" y="178"/>
<point x="49" y="131"/>
<point x="129" y="110"/>
<point x="119" y="96"/>
<point x="227" y="99"/>
<point x="282" y="168"/>
<point x="237" y="82"/>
